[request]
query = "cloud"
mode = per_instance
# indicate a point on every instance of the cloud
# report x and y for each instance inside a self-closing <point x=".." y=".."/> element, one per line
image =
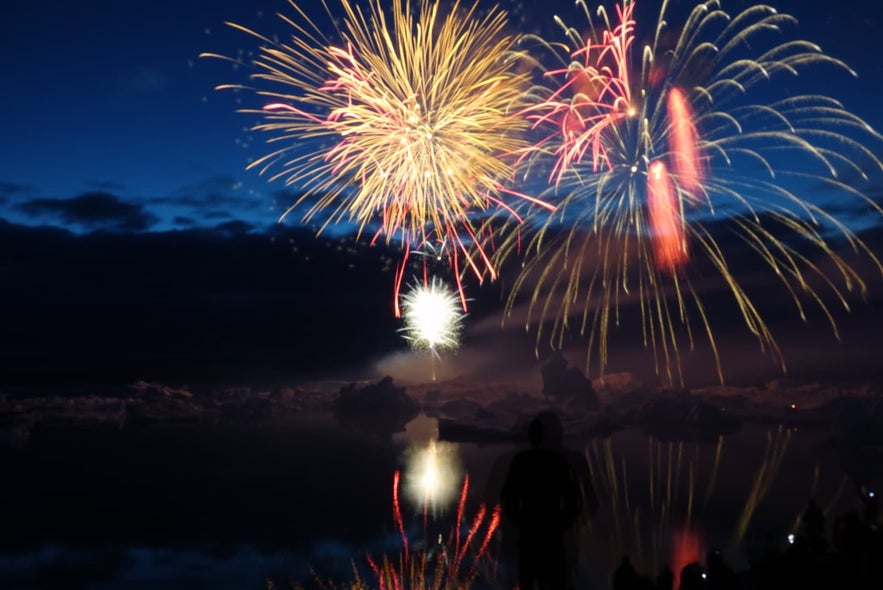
<point x="10" y="190"/>
<point x="237" y="302"/>
<point x="318" y="217"/>
<point x="90" y="211"/>
<point x="50" y="567"/>
<point x="107" y="186"/>
<point x="216" y="197"/>
<point x="215" y="191"/>
<point x="235" y="227"/>
<point x="190" y="305"/>
<point x="792" y="313"/>
<point x="183" y="221"/>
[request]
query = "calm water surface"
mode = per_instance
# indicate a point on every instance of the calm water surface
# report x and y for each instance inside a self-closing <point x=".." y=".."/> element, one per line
<point x="232" y="505"/>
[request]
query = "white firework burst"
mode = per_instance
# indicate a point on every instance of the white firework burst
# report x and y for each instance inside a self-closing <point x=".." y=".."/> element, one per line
<point x="433" y="316"/>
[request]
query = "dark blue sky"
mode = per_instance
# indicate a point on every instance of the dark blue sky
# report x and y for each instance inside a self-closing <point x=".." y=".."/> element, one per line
<point x="111" y="97"/>
<point x="113" y="135"/>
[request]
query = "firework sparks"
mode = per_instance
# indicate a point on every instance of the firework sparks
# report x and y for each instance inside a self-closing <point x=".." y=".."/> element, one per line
<point x="686" y="156"/>
<point x="667" y="229"/>
<point x="595" y="96"/>
<point x="655" y="147"/>
<point x="406" y="127"/>
<point x="433" y="317"/>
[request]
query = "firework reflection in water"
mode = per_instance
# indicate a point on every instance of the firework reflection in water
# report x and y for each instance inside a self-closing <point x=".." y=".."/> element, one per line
<point x="432" y="475"/>
<point x="446" y="563"/>
<point x="669" y="522"/>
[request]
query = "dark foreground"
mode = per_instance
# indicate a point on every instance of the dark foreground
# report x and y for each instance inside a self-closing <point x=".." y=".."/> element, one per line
<point x="170" y="488"/>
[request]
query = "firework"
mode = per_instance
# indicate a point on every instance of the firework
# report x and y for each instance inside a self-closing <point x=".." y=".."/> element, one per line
<point x="654" y="148"/>
<point x="406" y="126"/>
<point x="667" y="229"/>
<point x="433" y="317"/>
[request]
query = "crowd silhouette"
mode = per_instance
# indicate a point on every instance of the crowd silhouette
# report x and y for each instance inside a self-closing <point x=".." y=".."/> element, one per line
<point x="848" y="554"/>
<point x="547" y="497"/>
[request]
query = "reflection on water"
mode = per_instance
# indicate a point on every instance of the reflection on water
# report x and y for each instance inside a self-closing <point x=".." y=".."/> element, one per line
<point x="232" y="505"/>
<point x="452" y="560"/>
<point x="673" y="502"/>
<point x="432" y="475"/>
<point x="190" y="498"/>
<point x="664" y="525"/>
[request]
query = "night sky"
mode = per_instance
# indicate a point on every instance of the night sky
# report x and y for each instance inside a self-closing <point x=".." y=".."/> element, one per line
<point x="136" y="245"/>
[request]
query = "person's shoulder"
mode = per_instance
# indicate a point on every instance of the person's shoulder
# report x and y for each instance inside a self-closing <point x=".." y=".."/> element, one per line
<point x="520" y="458"/>
<point x="557" y="455"/>
<point x="521" y="455"/>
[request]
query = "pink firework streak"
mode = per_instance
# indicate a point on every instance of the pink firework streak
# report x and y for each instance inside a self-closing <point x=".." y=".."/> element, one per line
<point x="669" y="242"/>
<point x="686" y="156"/>
<point x="412" y="569"/>
<point x="599" y="97"/>
<point x="687" y="548"/>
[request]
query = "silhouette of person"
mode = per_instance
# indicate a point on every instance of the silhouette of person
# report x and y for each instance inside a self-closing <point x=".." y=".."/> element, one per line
<point x="692" y="577"/>
<point x="871" y="505"/>
<point x="625" y="577"/>
<point x="720" y="575"/>
<point x="542" y="496"/>
<point x="665" y="579"/>
<point x="813" y="520"/>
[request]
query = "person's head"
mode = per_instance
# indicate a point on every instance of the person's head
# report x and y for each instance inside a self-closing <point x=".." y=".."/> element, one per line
<point x="545" y="430"/>
<point x="692" y="576"/>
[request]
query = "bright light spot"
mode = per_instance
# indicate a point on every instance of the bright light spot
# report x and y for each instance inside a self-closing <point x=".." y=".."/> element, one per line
<point x="432" y="475"/>
<point x="433" y="316"/>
